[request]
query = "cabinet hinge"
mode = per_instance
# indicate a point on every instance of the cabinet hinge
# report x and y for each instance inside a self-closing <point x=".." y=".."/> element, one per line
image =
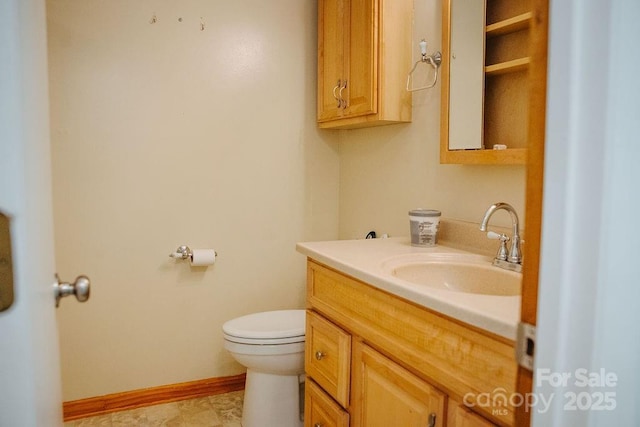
<point x="525" y="345"/>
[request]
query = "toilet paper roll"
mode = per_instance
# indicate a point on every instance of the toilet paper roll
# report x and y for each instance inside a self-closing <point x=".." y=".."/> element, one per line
<point x="203" y="257"/>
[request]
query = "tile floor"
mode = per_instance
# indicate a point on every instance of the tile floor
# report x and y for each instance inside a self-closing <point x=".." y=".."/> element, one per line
<point x="222" y="410"/>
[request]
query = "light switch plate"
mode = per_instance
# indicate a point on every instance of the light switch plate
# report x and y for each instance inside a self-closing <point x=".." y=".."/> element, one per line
<point x="525" y="345"/>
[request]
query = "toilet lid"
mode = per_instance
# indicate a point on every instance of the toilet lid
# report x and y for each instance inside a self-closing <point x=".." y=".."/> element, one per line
<point x="269" y="327"/>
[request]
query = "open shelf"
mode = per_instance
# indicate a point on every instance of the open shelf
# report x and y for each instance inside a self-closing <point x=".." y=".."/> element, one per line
<point x="507" y="67"/>
<point x="510" y="25"/>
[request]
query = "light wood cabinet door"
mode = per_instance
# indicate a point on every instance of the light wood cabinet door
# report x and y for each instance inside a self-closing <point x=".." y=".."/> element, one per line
<point x="333" y="16"/>
<point x="361" y="68"/>
<point x="320" y="410"/>
<point x="459" y="416"/>
<point x="328" y="357"/>
<point x="385" y="394"/>
<point x="347" y="58"/>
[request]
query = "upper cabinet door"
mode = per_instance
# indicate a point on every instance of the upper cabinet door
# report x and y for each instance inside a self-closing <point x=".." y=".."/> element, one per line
<point x="361" y="70"/>
<point x="332" y="21"/>
<point x="364" y="55"/>
<point x="347" y="58"/>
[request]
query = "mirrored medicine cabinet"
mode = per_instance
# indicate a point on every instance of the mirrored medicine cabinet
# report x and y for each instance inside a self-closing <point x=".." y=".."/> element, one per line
<point x="485" y="86"/>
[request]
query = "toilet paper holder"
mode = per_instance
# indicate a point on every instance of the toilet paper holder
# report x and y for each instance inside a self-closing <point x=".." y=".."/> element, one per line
<point x="184" y="252"/>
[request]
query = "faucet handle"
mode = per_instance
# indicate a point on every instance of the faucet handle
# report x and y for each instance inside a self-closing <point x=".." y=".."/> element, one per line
<point x="503" y="252"/>
<point x="496" y="236"/>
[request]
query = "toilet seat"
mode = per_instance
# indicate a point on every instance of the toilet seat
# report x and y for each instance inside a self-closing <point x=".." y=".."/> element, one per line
<point x="267" y="328"/>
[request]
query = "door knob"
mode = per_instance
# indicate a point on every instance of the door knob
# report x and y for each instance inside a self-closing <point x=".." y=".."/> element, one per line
<point x="81" y="288"/>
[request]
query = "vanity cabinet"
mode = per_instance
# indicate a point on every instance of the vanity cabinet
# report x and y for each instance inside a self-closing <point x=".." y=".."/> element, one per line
<point x="364" y="55"/>
<point x="504" y="84"/>
<point x="374" y="359"/>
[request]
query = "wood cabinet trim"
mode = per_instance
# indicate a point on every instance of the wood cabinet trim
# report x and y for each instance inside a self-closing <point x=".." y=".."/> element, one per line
<point x="535" y="181"/>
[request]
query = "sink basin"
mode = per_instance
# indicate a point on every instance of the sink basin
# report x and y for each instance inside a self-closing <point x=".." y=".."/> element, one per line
<point x="454" y="272"/>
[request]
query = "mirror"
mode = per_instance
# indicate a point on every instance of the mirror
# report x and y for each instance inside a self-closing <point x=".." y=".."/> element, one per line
<point x="466" y="74"/>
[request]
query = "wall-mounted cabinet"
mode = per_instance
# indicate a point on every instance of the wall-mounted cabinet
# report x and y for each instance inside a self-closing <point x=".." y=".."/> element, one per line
<point x="485" y="98"/>
<point x="364" y="54"/>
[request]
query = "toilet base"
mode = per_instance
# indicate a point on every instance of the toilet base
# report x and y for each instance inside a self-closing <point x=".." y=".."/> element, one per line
<point x="271" y="400"/>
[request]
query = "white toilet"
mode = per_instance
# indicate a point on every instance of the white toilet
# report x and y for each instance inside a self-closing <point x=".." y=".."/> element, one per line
<point x="271" y="346"/>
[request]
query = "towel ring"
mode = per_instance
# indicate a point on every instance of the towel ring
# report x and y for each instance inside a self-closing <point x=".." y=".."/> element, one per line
<point x="434" y="60"/>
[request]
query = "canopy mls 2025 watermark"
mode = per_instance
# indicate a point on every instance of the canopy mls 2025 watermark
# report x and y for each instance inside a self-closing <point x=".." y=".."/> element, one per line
<point x="580" y="390"/>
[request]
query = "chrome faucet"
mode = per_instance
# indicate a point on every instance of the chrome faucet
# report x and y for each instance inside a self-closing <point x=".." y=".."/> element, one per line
<point x="511" y="259"/>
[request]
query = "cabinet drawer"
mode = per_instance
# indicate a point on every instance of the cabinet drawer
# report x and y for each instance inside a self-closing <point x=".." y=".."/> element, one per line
<point x="327" y="357"/>
<point x="321" y="410"/>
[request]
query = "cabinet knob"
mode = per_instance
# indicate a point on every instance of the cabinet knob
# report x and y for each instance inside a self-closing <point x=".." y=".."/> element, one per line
<point x="320" y="355"/>
<point x="317" y="425"/>
<point x="432" y="420"/>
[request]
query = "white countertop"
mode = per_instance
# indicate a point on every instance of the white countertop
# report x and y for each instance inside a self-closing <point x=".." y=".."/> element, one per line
<point x="363" y="259"/>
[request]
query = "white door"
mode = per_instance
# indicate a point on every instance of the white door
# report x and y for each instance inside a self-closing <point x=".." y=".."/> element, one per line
<point x="30" y="392"/>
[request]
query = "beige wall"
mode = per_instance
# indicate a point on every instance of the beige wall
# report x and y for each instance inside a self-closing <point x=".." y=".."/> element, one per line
<point x="385" y="172"/>
<point x="164" y="135"/>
